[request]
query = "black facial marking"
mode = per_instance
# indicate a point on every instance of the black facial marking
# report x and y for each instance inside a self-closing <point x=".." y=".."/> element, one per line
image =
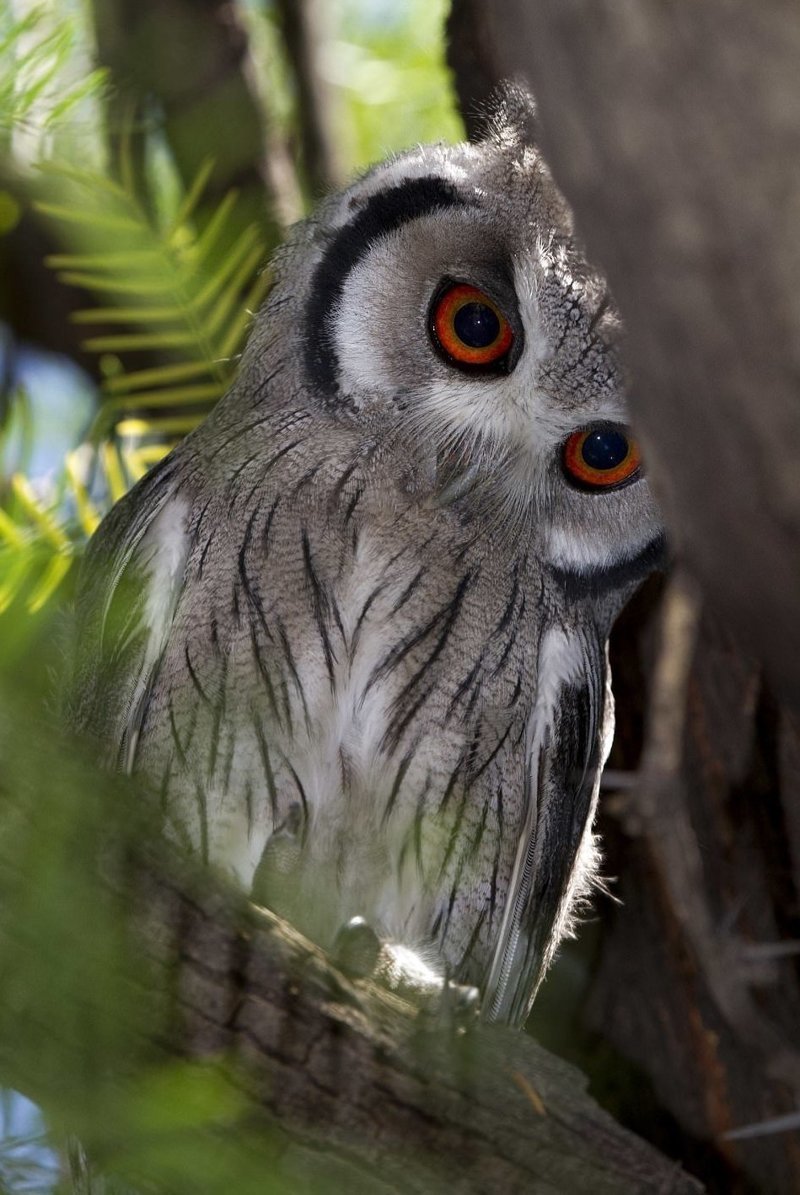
<point x="382" y="214"/>
<point x="597" y="581"/>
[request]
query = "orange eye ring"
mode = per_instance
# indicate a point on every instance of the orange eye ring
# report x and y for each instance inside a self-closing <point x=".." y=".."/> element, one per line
<point x="469" y="328"/>
<point x="601" y="457"/>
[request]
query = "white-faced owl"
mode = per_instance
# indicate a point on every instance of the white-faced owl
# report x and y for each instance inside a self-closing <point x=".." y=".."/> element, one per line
<point x="352" y="630"/>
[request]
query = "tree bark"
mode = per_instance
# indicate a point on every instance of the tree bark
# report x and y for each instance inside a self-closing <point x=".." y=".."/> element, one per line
<point x="674" y="131"/>
<point x="475" y="56"/>
<point x="384" y="1094"/>
<point x="697" y="981"/>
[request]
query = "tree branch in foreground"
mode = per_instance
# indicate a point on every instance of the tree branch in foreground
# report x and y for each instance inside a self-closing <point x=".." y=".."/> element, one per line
<point x="349" y="1069"/>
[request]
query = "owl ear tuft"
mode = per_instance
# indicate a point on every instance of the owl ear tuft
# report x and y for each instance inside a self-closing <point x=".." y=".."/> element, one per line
<point x="509" y="117"/>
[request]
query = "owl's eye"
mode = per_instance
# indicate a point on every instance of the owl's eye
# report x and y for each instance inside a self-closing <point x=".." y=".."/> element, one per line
<point x="469" y="328"/>
<point x="601" y="457"/>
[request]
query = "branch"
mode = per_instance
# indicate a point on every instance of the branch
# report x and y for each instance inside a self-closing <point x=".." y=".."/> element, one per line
<point x="192" y="62"/>
<point x="349" y="1069"/>
<point x="302" y="27"/>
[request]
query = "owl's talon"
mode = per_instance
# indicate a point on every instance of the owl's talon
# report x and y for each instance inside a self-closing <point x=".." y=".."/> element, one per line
<point x="467" y="1003"/>
<point x="457" y="1006"/>
<point x="356" y="948"/>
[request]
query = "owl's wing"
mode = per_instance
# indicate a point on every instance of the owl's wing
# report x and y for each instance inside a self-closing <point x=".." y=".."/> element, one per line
<point x="568" y="740"/>
<point x="128" y="590"/>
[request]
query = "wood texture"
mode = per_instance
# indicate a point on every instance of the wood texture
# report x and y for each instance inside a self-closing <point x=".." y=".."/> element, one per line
<point x="389" y="1099"/>
<point x="697" y="980"/>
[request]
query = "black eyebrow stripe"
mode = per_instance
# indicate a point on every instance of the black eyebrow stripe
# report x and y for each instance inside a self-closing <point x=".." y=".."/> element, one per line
<point x="382" y="214"/>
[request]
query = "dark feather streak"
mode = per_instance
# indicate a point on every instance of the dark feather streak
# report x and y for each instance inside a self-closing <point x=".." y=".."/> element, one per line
<point x="320" y="603"/>
<point x="266" y="763"/>
<point x="194" y="677"/>
<point x="473" y="938"/>
<point x="263" y="672"/>
<point x="398" y="780"/>
<point x="292" y="666"/>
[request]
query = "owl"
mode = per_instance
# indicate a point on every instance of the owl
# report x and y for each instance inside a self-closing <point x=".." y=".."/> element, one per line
<point x="352" y="630"/>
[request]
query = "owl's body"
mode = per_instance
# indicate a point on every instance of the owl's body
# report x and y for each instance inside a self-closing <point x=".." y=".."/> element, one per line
<point x="353" y="629"/>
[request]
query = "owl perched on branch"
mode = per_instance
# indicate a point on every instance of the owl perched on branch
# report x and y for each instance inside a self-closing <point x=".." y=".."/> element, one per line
<point x="353" y="628"/>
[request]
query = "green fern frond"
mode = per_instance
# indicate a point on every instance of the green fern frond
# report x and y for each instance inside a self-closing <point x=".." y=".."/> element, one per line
<point x="87" y="513"/>
<point x="162" y="287"/>
<point x="144" y="379"/>
<point x="36" y="552"/>
<point x="41" y="537"/>
<point x="36" y="62"/>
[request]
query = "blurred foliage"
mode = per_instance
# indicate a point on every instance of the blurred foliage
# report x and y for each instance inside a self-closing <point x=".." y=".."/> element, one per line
<point x="36" y="552"/>
<point x="162" y="286"/>
<point x="79" y="1012"/>
<point x="387" y="64"/>
<point x="167" y="304"/>
<point x="38" y="87"/>
<point x="384" y="64"/>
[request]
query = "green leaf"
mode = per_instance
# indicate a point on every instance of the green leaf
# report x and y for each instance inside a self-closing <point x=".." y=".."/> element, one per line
<point x="235" y="255"/>
<point x="208" y="240"/>
<point x="125" y="315"/>
<point x="161" y="288"/>
<point x="91" y="85"/>
<point x="239" y="326"/>
<point x="169" y="397"/>
<point x="140" y="379"/>
<point x="190" y="200"/>
<point x="146" y="287"/>
<point x="231" y="297"/>
<point x="136" y="341"/>
<point x="98" y="218"/>
<point x="140" y="259"/>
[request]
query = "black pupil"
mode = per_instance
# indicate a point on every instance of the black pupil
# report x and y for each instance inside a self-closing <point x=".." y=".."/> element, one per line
<point x="476" y="325"/>
<point x="605" y="448"/>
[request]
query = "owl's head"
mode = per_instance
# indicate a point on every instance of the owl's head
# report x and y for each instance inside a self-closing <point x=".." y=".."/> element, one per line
<point x="443" y="299"/>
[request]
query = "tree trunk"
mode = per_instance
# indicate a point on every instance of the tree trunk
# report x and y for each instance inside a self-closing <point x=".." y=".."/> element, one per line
<point x="697" y="980"/>
<point x="303" y="25"/>
<point x="674" y="133"/>
<point x="185" y="65"/>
